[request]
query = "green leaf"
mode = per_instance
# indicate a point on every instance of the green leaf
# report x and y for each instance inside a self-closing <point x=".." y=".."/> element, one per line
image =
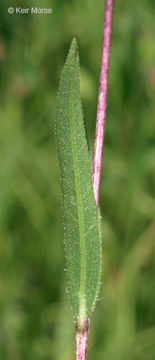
<point x="81" y="217"/>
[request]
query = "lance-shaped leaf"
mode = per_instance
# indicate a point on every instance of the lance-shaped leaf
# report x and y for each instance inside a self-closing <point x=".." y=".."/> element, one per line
<point x="81" y="219"/>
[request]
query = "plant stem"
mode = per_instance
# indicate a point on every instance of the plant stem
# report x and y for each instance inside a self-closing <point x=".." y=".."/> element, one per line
<point x="82" y="329"/>
<point x="102" y="98"/>
<point x="81" y="340"/>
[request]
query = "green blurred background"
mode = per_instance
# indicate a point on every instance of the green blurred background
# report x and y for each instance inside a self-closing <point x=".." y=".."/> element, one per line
<point x="35" y="313"/>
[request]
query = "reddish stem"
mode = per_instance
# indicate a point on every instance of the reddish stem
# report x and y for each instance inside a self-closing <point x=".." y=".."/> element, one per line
<point x="81" y="346"/>
<point x="81" y="340"/>
<point x="102" y="98"/>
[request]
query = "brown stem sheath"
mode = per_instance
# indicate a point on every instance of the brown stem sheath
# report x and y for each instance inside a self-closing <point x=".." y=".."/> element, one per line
<point x="82" y="329"/>
<point x="102" y="98"/>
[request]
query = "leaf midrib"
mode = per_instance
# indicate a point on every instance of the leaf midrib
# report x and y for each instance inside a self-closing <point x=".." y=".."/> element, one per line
<point x="79" y="207"/>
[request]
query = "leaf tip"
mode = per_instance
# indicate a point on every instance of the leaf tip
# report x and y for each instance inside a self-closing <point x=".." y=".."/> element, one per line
<point x="74" y="45"/>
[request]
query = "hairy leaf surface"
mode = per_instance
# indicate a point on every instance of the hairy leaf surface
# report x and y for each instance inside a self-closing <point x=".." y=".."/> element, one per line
<point x="81" y="219"/>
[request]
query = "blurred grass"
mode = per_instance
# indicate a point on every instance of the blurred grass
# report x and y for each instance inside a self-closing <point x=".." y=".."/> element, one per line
<point x="35" y="314"/>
